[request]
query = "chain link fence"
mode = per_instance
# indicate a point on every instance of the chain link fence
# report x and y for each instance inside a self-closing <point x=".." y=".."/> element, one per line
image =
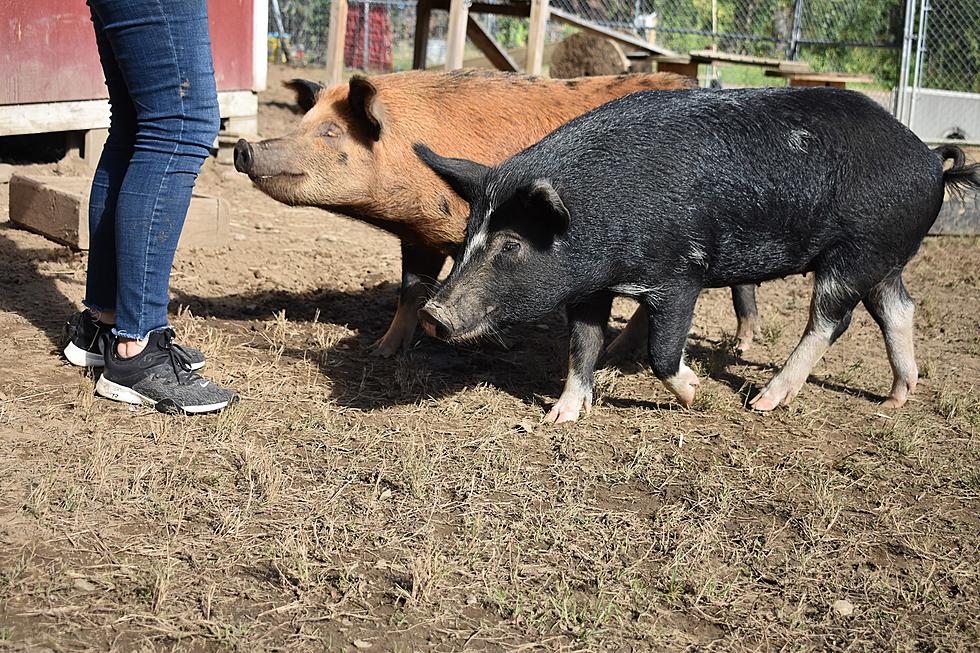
<point x="951" y="45"/>
<point x="862" y="37"/>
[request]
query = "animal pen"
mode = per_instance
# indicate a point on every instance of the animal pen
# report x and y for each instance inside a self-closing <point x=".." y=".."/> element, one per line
<point x="919" y="58"/>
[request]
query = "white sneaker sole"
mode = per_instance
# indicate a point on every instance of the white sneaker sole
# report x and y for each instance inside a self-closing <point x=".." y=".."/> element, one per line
<point x="84" y="358"/>
<point x="106" y="388"/>
<point x="81" y="357"/>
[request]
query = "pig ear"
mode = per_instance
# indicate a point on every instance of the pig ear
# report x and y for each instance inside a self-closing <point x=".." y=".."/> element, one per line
<point x="363" y="101"/>
<point x="463" y="176"/>
<point x="541" y="199"/>
<point x="305" y="92"/>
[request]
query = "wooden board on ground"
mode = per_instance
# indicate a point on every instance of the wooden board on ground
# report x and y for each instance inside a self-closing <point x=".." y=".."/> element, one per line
<point x="57" y="208"/>
<point x="960" y="216"/>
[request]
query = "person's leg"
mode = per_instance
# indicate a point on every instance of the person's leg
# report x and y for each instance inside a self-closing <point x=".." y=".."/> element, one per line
<point x="100" y="287"/>
<point x="163" y="53"/>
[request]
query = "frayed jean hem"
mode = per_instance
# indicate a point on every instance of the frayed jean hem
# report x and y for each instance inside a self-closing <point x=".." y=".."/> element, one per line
<point x="135" y="336"/>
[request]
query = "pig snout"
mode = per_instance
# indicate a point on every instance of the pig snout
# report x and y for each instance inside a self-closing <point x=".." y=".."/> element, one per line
<point x="277" y="157"/>
<point x="244" y="157"/>
<point x="434" y="321"/>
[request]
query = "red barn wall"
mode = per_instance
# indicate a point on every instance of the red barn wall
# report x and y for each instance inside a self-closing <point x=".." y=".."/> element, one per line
<point x="48" y="53"/>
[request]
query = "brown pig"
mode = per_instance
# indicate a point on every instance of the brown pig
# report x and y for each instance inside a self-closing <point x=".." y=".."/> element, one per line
<point x="352" y="154"/>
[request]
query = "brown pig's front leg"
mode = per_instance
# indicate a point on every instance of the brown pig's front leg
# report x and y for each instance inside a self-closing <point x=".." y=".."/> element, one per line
<point x="420" y="269"/>
<point x="588" y="322"/>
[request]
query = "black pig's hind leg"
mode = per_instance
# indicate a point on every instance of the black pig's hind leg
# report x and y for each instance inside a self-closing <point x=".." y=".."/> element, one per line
<point x="892" y="308"/>
<point x="749" y="324"/>
<point x="587" y="320"/>
<point x="831" y="306"/>
<point x="670" y="323"/>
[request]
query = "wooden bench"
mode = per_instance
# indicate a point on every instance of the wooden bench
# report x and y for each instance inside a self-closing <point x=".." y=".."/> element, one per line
<point x="687" y="65"/>
<point x="837" y="80"/>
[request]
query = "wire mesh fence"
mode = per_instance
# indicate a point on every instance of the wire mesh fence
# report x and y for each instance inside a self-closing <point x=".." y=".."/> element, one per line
<point x="950" y="55"/>
<point x="859" y="36"/>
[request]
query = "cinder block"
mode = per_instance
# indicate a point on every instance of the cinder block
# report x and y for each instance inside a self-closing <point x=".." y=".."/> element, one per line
<point x="6" y="172"/>
<point x="57" y="207"/>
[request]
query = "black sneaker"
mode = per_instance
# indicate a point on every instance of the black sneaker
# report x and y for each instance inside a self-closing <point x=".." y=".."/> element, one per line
<point x="85" y="335"/>
<point x="160" y="376"/>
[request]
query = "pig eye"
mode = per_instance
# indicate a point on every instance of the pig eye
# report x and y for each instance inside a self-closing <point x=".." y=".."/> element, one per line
<point x="510" y="246"/>
<point x="330" y="131"/>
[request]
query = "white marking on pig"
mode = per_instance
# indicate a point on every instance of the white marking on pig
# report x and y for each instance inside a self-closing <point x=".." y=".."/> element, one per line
<point x="798" y="139"/>
<point x="683" y="383"/>
<point x="479" y="239"/>
<point x="698" y="255"/>
<point x="475" y="243"/>
<point x="636" y="290"/>
<point x="574" y="397"/>
<point x="832" y="286"/>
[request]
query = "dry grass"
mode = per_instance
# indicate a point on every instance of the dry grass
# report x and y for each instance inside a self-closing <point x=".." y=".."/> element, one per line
<point x="352" y="503"/>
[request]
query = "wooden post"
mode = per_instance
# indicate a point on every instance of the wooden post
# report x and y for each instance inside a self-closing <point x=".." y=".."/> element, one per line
<point x="260" y="44"/>
<point x="535" y="37"/>
<point x="456" y="35"/>
<point x="423" y="10"/>
<point x="335" y="41"/>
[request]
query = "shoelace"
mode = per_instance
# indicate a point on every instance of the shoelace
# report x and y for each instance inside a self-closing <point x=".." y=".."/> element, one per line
<point x="178" y="358"/>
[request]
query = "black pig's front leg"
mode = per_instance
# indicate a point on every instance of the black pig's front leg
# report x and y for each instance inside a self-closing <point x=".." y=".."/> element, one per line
<point x="587" y="320"/>
<point x="670" y="323"/>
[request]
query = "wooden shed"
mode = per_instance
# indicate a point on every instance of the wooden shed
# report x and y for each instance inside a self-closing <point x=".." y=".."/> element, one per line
<point x="52" y="80"/>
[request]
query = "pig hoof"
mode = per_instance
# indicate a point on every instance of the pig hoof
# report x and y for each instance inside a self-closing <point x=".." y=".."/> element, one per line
<point x="684" y="385"/>
<point x="772" y="396"/>
<point x="746" y="335"/>
<point x="743" y="344"/>
<point x="386" y="348"/>
<point x="566" y="410"/>
<point x="900" y="394"/>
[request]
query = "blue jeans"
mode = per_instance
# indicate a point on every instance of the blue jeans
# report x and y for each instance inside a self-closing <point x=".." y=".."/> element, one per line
<point x="156" y="55"/>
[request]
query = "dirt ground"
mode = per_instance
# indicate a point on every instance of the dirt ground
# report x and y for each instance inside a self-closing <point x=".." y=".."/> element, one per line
<point x="354" y="503"/>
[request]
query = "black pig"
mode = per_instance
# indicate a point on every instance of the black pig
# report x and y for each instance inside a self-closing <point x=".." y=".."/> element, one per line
<point x="660" y="194"/>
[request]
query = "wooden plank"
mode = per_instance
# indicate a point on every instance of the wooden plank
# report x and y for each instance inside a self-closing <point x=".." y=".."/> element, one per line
<point x="620" y="37"/>
<point x="53" y="117"/>
<point x="535" y="37"/>
<point x="488" y="45"/>
<point x="456" y="34"/>
<point x="336" y="33"/>
<point x="94" y="114"/>
<point x="518" y="9"/>
<point x="423" y="14"/>
<point x="826" y="77"/>
<point x="57" y="208"/>
<point x="689" y="69"/>
<point x="710" y="57"/>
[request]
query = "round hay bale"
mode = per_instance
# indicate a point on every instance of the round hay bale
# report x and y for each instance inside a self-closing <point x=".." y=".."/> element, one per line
<point x="586" y="55"/>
